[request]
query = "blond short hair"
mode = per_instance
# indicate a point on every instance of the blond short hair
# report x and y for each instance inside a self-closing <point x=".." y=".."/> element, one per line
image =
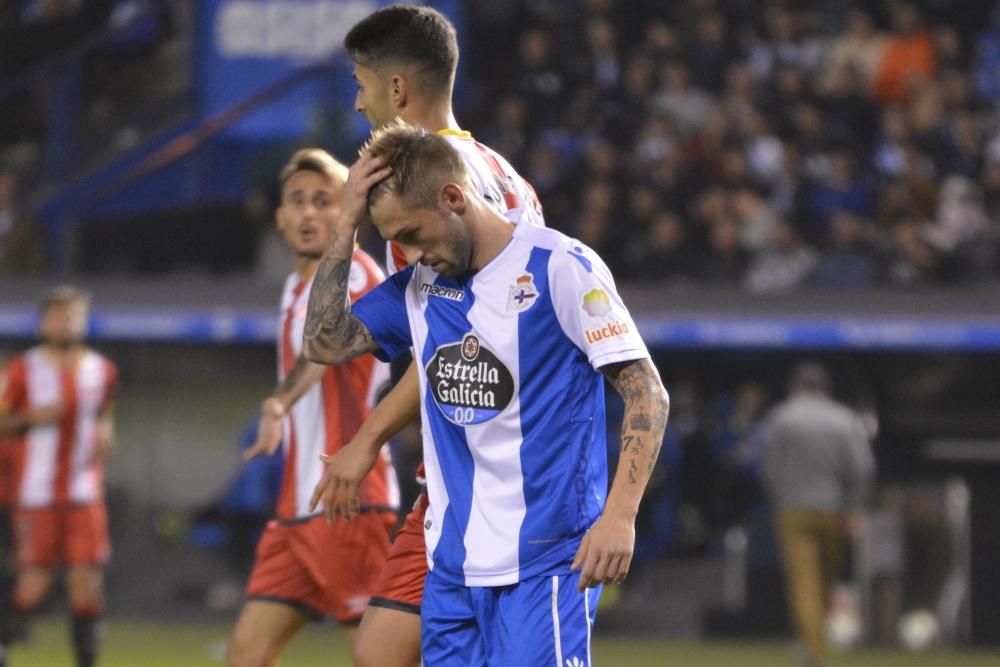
<point x="421" y="163"/>
<point x="63" y="294"/>
<point x="313" y="159"/>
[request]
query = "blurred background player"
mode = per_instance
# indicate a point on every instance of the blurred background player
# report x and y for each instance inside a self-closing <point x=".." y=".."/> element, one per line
<point x="59" y="400"/>
<point x="305" y="567"/>
<point x="818" y="470"/>
<point x="10" y="451"/>
<point x="405" y="57"/>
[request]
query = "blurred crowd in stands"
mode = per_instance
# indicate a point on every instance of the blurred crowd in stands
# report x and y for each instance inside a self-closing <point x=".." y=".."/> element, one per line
<point x="80" y="70"/>
<point x="771" y="144"/>
<point x="765" y="144"/>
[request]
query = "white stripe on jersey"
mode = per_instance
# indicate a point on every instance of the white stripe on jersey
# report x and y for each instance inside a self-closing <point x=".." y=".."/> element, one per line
<point x="41" y="442"/>
<point x="555" y="620"/>
<point x="90" y="391"/>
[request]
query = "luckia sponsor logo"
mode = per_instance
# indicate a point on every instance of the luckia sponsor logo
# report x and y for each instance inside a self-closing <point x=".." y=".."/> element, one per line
<point x="597" y="305"/>
<point x="469" y="383"/>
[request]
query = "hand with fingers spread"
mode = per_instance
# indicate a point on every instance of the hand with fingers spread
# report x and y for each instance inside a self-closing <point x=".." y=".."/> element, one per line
<point x="345" y="470"/>
<point x="272" y="411"/>
<point x="605" y="553"/>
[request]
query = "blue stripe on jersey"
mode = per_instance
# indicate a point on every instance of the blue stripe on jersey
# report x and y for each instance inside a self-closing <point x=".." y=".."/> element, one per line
<point x="447" y="322"/>
<point x="562" y="422"/>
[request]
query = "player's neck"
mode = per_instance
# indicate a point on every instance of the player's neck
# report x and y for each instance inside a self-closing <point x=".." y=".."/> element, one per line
<point x="434" y="118"/>
<point x="65" y="356"/>
<point x="491" y="234"/>
<point x="305" y="267"/>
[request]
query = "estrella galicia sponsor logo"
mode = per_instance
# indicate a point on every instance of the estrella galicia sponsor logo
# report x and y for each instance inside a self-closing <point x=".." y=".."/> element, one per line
<point x="469" y="383"/>
<point x="443" y="292"/>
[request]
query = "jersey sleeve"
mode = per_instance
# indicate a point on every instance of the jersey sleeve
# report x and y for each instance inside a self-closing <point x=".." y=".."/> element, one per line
<point x="13" y="387"/>
<point x="383" y="312"/>
<point x="363" y="276"/>
<point x="589" y="308"/>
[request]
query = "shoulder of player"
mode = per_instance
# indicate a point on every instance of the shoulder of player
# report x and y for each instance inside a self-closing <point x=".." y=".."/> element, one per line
<point x="566" y="250"/>
<point x="17" y="366"/>
<point x="102" y="359"/>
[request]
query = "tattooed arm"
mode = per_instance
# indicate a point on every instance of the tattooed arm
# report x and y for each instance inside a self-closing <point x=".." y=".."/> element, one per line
<point x="606" y="551"/>
<point x="332" y="334"/>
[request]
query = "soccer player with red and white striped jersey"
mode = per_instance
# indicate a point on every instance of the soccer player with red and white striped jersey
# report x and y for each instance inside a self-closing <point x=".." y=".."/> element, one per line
<point x="305" y="567"/>
<point x="58" y="401"/>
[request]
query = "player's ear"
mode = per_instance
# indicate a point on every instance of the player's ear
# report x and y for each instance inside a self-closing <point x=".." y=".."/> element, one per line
<point x="451" y="197"/>
<point x="279" y="218"/>
<point x="398" y="90"/>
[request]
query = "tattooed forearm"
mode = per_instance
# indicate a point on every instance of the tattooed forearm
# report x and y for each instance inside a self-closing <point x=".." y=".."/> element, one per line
<point x="640" y="421"/>
<point x="646" y="409"/>
<point x="332" y="333"/>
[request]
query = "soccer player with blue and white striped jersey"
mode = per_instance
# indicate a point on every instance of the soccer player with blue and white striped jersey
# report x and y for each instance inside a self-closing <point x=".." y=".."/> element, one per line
<point x="513" y="327"/>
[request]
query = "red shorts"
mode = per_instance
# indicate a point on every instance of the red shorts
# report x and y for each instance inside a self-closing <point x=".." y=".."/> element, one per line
<point x="66" y="535"/>
<point x="10" y="455"/>
<point x="319" y="568"/>
<point x="401" y="585"/>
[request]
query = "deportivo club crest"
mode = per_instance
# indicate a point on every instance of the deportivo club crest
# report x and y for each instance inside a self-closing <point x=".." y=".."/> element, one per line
<point x="522" y="293"/>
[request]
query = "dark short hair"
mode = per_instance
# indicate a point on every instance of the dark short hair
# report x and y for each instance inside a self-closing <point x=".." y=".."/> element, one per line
<point x="811" y="376"/>
<point x="407" y="35"/>
<point x="63" y="294"/>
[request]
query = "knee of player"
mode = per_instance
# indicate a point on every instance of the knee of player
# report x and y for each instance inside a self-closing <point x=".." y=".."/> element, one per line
<point x="365" y="651"/>
<point x="244" y="652"/>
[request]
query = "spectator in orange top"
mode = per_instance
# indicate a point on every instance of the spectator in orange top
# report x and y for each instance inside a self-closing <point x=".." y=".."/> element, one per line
<point x="908" y="57"/>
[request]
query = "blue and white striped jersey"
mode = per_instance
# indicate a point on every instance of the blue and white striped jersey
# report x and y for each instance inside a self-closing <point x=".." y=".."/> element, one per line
<point x="513" y="408"/>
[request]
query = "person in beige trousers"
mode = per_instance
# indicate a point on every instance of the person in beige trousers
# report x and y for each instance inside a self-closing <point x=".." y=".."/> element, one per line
<point x="818" y="471"/>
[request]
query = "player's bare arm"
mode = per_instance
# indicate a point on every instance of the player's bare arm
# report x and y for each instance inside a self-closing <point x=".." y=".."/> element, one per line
<point x="15" y="423"/>
<point x="332" y="334"/>
<point x="606" y="551"/>
<point x="275" y="407"/>
<point x="105" y="439"/>
<point x="338" y="488"/>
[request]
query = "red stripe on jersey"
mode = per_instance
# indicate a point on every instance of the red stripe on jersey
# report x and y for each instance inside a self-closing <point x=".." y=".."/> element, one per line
<point x="286" y="502"/>
<point x="67" y="433"/>
<point x="509" y="196"/>
<point x="398" y="257"/>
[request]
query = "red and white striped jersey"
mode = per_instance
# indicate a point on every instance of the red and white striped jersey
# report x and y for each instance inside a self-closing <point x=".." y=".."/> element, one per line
<point x="58" y="464"/>
<point x="328" y="415"/>
<point x="494" y="179"/>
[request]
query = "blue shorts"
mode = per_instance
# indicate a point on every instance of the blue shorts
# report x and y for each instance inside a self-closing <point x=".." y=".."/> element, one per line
<point x="539" y="621"/>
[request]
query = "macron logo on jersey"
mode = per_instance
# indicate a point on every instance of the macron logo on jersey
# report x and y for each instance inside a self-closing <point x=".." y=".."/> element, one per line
<point x="443" y="292"/>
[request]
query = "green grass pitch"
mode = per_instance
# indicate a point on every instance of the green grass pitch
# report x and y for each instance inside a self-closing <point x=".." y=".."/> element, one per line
<point x="174" y="644"/>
